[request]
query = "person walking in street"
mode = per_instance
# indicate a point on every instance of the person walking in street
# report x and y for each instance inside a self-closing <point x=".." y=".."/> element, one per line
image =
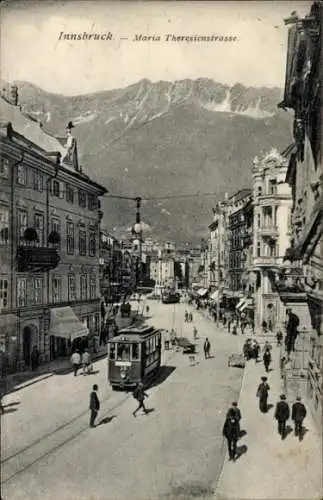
<point x="267" y="359"/>
<point x="298" y="415"/>
<point x="76" y="361"/>
<point x="231" y="433"/>
<point x="282" y="415"/>
<point x="195" y="332"/>
<point x="207" y="348"/>
<point x="279" y="337"/>
<point x="86" y="362"/>
<point x="262" y="394"/>
<point x="34" y="358"/>
<point x="186" y="317"/>
<point x="140" y="395"/>
<point x="237" y="414"/>
<point x="94" y="405"/>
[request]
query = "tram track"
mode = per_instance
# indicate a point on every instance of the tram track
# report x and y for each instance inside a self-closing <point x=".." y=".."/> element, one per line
<point x="41" y="448"/>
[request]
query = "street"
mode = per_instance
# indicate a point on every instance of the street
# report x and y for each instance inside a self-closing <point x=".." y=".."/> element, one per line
<point x="49" y="452"/>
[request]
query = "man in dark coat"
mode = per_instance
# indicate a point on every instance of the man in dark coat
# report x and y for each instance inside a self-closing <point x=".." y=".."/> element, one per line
<point x="140" y="395"/>
<point x="291" y="329"/>
<point x="94" y="405"/>
<point x="207" y="347"/>
<point x="267" y="359"/>
<point x="298" y="415"/>
<point x="237" y="414"/>
<point x="282" y="415"/>
<point x="262" y="394"/>
<point x="231" y="433"/>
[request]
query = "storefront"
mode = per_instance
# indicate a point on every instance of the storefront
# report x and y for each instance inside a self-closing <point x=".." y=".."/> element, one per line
<point x="66" y="331"/>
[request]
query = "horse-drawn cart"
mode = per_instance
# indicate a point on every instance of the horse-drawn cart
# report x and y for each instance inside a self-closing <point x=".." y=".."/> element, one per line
<point x="237" y="360"/>
<point x="185" y="344"/>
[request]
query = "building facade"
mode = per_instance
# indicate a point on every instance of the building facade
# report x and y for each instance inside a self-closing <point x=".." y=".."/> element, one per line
<point x="162" y="270"/>
<point x="272" y="203"/>
<point x="300" y="285"/>
<point x="50" y="217"/>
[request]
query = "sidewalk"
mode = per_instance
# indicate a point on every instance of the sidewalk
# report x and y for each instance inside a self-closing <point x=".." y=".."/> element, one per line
<point x="20" y="380"/>
<point x="269" y="468"/>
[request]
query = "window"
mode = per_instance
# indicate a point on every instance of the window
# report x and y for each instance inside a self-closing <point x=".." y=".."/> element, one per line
<point x="38" y="180"/>
<point x="258" y="220"/>
<point x="56" y="227"/>
<point x="259" y="190"/>
<point x="112" y="351"/>
<point x="4" y="225"/>
<point x="82" y="198"/>
<point x="92" y="286"/>
<point x="71" y="288"/>
<point x="258" y="249"/>
<point x="123" y="352"/>
<point x="272" y="186"/>
<point x="55" y="188"/>
<point x="3" y="293"/>
<point x="92" y="244"/>
<point x="21" y="292"/>
<point x="56" y="290"/>
<point x="83" y="286"/>
<point x="92" y="204"/>
<point x="135" y="352"/>
<point x="70" y="238"/>
<point x="22" y="225"/>
<point x="69" y="193"/>
<point x="82" y="242"/>
<point x="4" y="168"/>
<point x="37" y="290"/>
<point x="21" y="175"/>
<point x="39" y="226"/>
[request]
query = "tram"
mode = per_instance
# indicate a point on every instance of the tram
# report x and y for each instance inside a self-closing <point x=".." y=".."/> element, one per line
<point x="134" y="356"/>
<point x="170" y="297"/>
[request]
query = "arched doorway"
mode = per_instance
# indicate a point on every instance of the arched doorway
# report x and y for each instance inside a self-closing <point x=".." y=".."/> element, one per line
<point x="29" y="338"/>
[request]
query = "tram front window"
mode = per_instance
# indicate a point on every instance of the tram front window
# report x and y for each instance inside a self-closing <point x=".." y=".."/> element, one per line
<point x="135" y="351"/>
<point x="112" y="351"/>
<point x="123" y="352"/>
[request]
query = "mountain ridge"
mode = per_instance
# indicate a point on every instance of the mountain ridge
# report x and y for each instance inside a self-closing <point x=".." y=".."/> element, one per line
<point x="166" y="138"/>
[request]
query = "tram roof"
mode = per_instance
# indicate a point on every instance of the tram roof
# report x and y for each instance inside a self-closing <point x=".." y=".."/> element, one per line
<point x="134" y="333"/>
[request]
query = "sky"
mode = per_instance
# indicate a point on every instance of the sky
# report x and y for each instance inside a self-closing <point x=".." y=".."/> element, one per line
<point x="31" y="50"/>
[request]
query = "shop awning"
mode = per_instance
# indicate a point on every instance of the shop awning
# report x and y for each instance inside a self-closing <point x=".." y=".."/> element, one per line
<point x="248" y="304"/>
<point x="202" y="292"/>
<point x="215" y="295"/>
<point x="65" y="324"/>
<point x="240" y="303"/>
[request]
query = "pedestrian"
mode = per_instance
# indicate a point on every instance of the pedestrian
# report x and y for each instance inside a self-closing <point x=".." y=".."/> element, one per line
<point x="282" y="415"/>
<point x="186" y="317"/>
<point x="190" y="317"/>
<point x="231" y="433"/>
<point x="262" y="394"/>
<point x="34" y="358"/>
<point x="207" y="347"/>
<point x="298" y="415"/>
<point x="291" y="329"/>
<point x="252" y="324"/>
<point x="267" y="346"/>
<point x="86" y="361"/>
<point x="256" y="351"/>
<point x="147" y="309"/>
<point x="140" y="395"/>
<point x="279" y="337"/>
<point x="94" y="405"/>
<point x="76" y="361"/>
<point x="237" y="414"/>
<point x="195" y="332"/>
<point x="264" y="326"/>
<point x="267" y="359"/>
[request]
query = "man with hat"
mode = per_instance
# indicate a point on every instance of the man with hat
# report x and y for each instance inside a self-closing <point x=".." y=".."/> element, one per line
<point x="231" y="433"/>
<point x="234" y="410"/>
<point x="282" y="415"/>
<point x="298" y="415"/>
<point x="262" y="394"/>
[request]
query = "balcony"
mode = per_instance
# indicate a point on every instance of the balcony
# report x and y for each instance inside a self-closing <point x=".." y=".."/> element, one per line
<point x="36" y="259"/>
<point x="269" y="230"/>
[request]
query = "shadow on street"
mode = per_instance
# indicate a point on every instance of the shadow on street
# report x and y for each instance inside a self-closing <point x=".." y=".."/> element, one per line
<point x="106" y="420"/>
<point x="163" y="374"/>
<point x="241" y="450"/>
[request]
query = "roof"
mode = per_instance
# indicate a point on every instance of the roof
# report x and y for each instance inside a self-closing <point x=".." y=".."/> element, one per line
<point x="133" y="333"/>
<point x="29" y="128"/>
<point x="241" y="194"/>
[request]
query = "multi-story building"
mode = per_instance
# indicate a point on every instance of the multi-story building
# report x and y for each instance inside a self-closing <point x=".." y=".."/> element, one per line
<point x="300" y="286"/>
<point x="49" y="238"/>
<point x="110" y="267"/>
<point x="162" y="270"/>
<point x="237" y="228"/>
<point x="218" y="246"/>
<point x="272" y="204"/>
